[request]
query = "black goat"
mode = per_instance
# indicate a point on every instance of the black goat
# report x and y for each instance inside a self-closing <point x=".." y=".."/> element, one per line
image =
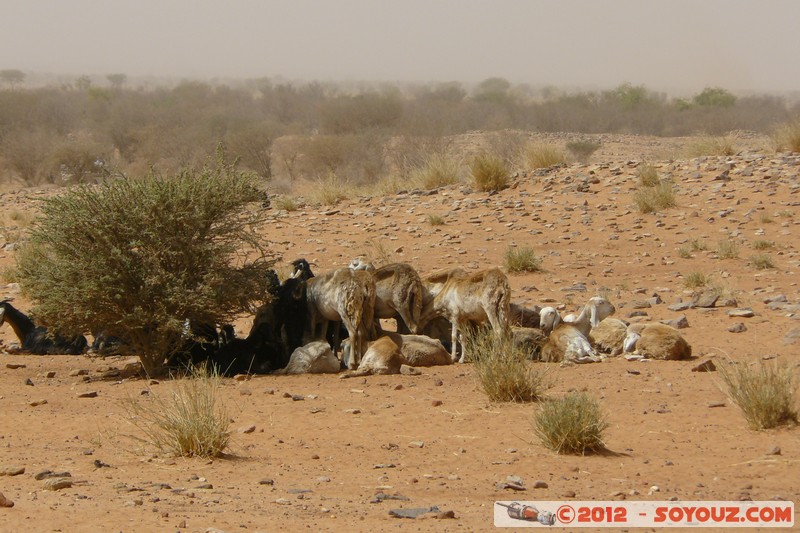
<point x="257" y="354"/>
<point x="301" y="269"/>
<point x="105" y="343"/>
<point x="36" y="339"/>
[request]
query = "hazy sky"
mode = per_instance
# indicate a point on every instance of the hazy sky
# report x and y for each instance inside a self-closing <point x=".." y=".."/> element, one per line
<point x="669" y="45"/>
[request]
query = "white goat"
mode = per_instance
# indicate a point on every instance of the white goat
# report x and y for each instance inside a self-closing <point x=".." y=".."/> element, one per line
<point x="399" y="293"/>
<point x="657" y="341"/>
<point x="549" y="319"/>
<point x="382" y="357"/>
<point x="313" y="358"/>
<point x="417" y="350"/>
<point x="464" y="299"/>
<point x="570" y="340"/>
<point x="346" y="296"/>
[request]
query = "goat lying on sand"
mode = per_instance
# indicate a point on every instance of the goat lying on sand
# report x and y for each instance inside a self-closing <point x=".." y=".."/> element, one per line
<point x="36" y="339"/>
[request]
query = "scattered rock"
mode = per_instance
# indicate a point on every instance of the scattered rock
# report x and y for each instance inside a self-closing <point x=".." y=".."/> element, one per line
<point x="446" y="515"/>
<point x="58" y="483"/>
<point x="744" y="312"/>
<point x="436" y="403"/>
<point x="706" y="366"/>
<point x="739" y="327"/>
<point x="507" y="485"/>
<point x="680" y="306"/>
<point x="539" y="484"/>
<point x="413" y="513"/>
<point x="89" y="394"/>
<point x="36" y="403"/>
<point x="706" y="300"/>
<point x="15" y="366"/>
<point x="48" y="474"/>
<point x="11" y="470"/>
<point x="267" y="482"/>
<point x="775" y="451"/>
<point x="792" y="337"/>
<point x="382" y="496"/>
<point x="5" y="502"/>
<point x="247" y="429"/>
<point x="409" y="370"/>
<point x="416" y="444"/>
<point x="568" y="494"/>
<point x="680" y="322"/>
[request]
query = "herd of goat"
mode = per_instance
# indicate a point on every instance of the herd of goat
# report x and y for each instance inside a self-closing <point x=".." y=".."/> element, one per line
<point x="310" y="319"/>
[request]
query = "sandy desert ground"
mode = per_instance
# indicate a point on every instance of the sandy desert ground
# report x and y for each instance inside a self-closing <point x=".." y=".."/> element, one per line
<point x="312" y="452"/>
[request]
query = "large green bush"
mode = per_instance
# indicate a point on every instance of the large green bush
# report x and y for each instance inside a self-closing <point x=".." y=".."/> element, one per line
<point x="137" y="257"/>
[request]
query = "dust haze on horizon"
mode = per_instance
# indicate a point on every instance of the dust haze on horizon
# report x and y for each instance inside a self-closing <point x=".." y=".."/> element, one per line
<point x="675" y="46"/>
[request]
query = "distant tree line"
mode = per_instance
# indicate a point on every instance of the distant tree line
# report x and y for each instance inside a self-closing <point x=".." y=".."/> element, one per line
<point x="85" y="130"/>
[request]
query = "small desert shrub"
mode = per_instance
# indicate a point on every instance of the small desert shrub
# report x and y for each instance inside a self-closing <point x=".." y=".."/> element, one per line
<point x="572" y="424"/>
<point x="698" y="245"/>
<point x="522" y="259"/>
<point x="540" y="155"/>
<point x="648" y="176"/>
<point x="785" y="214"/>
<point x="762" y="244"/>
<point x="684" y="252"/>
<point x="766" y="218"/>
<point x="185" y="418"/>
<point x="435" y="220"/>
<point x="727" y="249"/>
<point x="582" y="150"/>
<point x="437" y="171"/>
<point x="286" y="203"/>
<point x="654" y="199"/>
<point x="787" y="137"/>
<point x="711" y="146"/>
<point x="766" y="393"/>
<point x="504" y="372"/>
<point x="695" y="280"/>
<point x="762" y="261"/>
<point x="331" y="190"/>
<point x="489" y="172"/>
<point x="140" y="256"/>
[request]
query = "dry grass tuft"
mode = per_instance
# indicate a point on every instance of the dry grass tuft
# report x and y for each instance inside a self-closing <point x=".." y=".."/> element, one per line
<point x="435" y="220"/>
<point x="504" y="372"/>
<point x="489" y="172"/>
<point x="522" y="259"/>
<point x="787" y="137"/>
<point x="654" y="199"/>
<point x="762" y="261"/>
<point x="540" y="155"/>
<point x="727" y="249"/>
<point x="695" y="280"/>
<point x="766" y="393"/>
<point x="648" y="176"/>
<point x="711" y="146"/>
<point x="437" y="171"/>
<point x="582" y="150"/>
<point x="572" y="424"/>
<point x="186" y="421"/>
<point x="331" y="190"/>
